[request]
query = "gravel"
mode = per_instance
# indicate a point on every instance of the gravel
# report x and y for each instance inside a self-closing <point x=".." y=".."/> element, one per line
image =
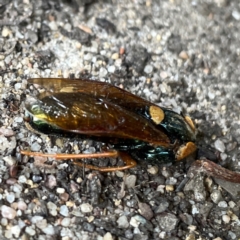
<point x="182" y="55"/>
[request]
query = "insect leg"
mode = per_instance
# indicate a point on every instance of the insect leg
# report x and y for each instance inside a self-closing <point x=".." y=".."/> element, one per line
<point x="130" y="163"/>
<point x="62" y="156"/>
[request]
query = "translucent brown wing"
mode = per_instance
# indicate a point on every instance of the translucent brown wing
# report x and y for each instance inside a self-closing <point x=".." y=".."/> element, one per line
<point x="87" y="113"/>
<point x="97" y="89"/>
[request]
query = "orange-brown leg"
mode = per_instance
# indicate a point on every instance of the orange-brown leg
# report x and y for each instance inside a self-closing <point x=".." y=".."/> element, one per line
<point x="64" y="156"/>
<point x="130" y="163"/>
<point x="61" y="156"/>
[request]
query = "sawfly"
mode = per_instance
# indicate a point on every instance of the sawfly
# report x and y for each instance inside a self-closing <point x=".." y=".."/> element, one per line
<point x="137" y="129"/>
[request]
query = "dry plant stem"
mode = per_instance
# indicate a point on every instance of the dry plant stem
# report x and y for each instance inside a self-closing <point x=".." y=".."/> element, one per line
<point x="215" y="170"/>
<point x="124" y="156"/>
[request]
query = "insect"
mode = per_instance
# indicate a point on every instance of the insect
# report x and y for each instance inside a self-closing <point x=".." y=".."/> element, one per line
<point x="137" y="129"/>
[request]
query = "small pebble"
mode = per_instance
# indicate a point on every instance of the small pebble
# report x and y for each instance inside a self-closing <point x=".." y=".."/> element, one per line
<point x="64" y="196"/>
<point x="4" y="222"/>
<point x="8" y="212"/>
<point x="169" y="188"/>
<point x="36" y="219"/>
<point x="226" y="219"/>
<point x="18" y="86"/>
<point x="108" y="236"/>
<point x="163" y="75"/>
<point x="52" y="208"/>
<point x="192" y="228"/>
<point x="30" y="231"/>
<point x="195" y="210"/>
<point x="183" y="55"/>
<point x="153" y="170"/>
<point x="162" y="206"/>
<point x="234" y="218"/>
<point x="232" y="204"/>
<point x="64" y="210"/>
<point x="60" y="190"/>
<point x="66" y="238"/>
<point x="79" y="180"/>
<point x="236" y="15"/>
<point x="17" y="188"/>
<point x="49" y="230"/>
<point x="8" y="234"/>
<point x="111" y="69"/>
<point x="51" y="181"/>
<point x="216" y="196"/>
<point x="6" y="132"/>
<point x="120" y="174"/>
<point x="88" y="56"/>
<point x="74" y="186"/>
<point x="41" y="224"/>
<point x="162" y="235"/>
<point x="123" y="222"/>
<point x="115" y="56"/>
<point x="86" y="208"/>
<point x="219" y="145"/>
<point x="232" y="235"/>
<point x="223" y="156"/>
<point x="31" y="36"/>
<point x="167" y="221"/>
<point x="16" y="231"/>
<point x="130" y="181"/>
<point x="35" y="147"/>
<point x="103" y="72"/>
<point x="70" y="204"/>
<point x="191" y="236"/>
<point x="66" y="222"/>
<point x="166" y="173"/>
<point x="6" y="145"/>
<point x="37" y="178"/>
<point x="222" y="204"/>
<point x="6" y="32"/>
<point x="30" y="183"/>
<point x="140" y="219"/>
<point x="11" y="181"/>
<point x="186" y="218"/>
<point x="121" y="50"/>
<point x="90" y="218"/>
<point x="145" y="210"/>
<point x="10" y="197"/>
<point x="134" y="222"/>
<point x="148" y="69"/>
<point x="171" y="181"/>
<point x="53" y="25"/>
<point x="161" y="188"/>
<point x="9" y="160"/>
<point x="22" y="179"/>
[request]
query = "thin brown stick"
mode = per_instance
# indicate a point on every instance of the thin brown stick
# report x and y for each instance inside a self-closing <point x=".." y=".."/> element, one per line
<point x="215" y="170"/>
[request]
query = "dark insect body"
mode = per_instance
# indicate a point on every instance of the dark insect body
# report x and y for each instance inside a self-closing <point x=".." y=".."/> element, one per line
<point x="136" y="128"/>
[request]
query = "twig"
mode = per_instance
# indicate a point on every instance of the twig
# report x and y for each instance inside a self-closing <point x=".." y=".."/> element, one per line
<point x="214" y="170"/>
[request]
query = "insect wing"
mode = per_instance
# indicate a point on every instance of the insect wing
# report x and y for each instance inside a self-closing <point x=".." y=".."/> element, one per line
<point x="86" y="114"/>
<point x="172" y="122"/>
<point x="97" y="89"/>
